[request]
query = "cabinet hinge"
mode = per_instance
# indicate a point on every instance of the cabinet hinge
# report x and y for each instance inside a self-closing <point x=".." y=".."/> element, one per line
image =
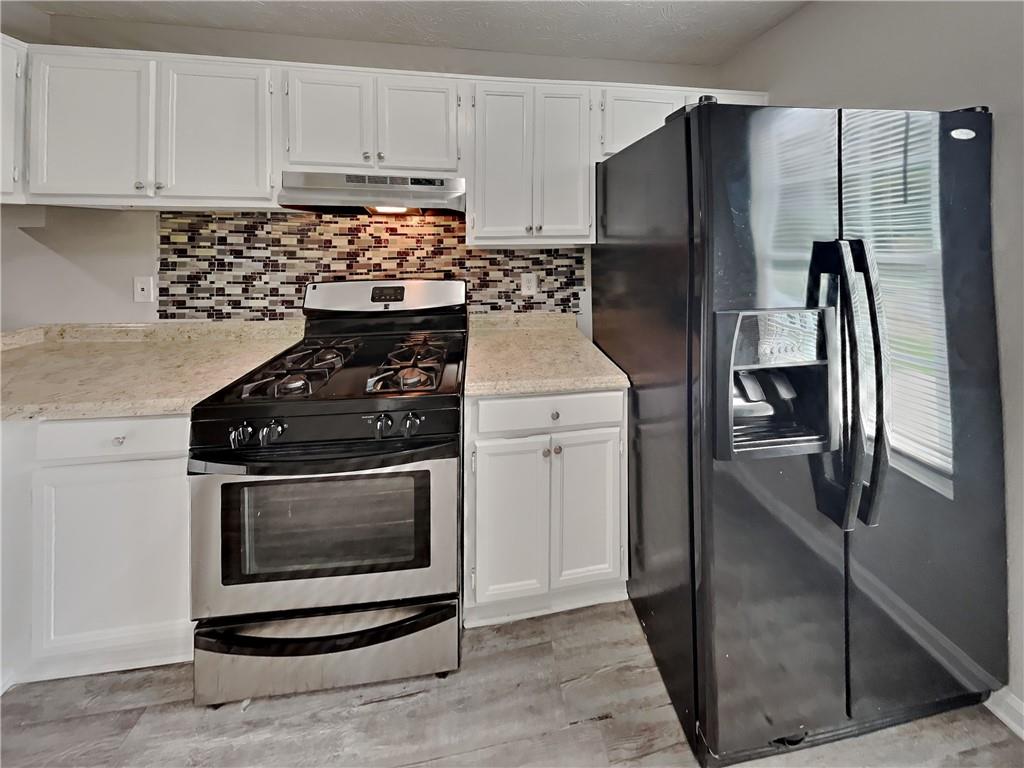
<point x="285" y="87"/>
<point x="472" y="462"/>
<point x="270" y="179"/>
<point x="622" y="557"/>
<point x="472" y="223"/>
<point x="16" y="174"/>
<point x="270" y="86"/>
<point x="602" y="105"/>
<point x="590" y="104"/>
<point x="602" y="139"/>
<point x="458" y="101"/>
<point x="17" y="69"/>
<point x="287" y="145"/>
<point x="472" y="578"/>
<point x="622" y="447"/>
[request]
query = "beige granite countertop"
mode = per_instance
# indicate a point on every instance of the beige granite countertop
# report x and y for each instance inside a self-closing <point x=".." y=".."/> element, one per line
<point x="156" y="369"/>
<point x="534" y="353"/>
<point x="159" y="369"/>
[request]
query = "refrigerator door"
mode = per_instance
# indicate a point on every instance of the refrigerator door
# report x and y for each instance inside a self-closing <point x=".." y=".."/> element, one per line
<point x="928" y="590"/>
<point x="771" y="584"/>
<point x="641" y="283"/>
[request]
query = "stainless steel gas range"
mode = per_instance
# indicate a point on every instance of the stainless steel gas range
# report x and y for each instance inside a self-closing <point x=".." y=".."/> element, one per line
<point x="326" y="499"/>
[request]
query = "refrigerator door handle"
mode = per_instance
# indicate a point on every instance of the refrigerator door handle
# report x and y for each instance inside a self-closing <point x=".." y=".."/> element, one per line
<point x="841" y="504"/>
<point x="865" y="263"/>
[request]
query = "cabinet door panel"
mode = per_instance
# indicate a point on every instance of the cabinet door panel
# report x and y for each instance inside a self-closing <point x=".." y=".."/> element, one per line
<point x="630" y="114"/>
<point x="585" y="507"/>
<point x="512" y="518"/>
<point x="214" y="131"/>
<point x="561" y="195"/>
<point x="91" y="125"/>
<point x="416" y="123"/>
<point x="330" y="118"/>
<point x="10" y="132"/>
<point x="503" y="177"/>
<point x="111" y="551"/>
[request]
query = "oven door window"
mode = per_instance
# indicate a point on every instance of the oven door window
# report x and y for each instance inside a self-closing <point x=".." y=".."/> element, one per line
<point x="313" y="527"/>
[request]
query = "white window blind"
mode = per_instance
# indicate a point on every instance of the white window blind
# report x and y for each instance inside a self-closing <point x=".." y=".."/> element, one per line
<point x="891" y="201"/>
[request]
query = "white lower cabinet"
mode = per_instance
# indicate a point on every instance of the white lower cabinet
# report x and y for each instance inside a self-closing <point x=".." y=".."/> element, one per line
<point x="544" y="512"/>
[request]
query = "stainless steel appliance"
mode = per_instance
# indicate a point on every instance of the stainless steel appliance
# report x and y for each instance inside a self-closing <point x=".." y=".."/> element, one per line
<point x="802" y="299"/>
<point x="326" y="500"/>
<point x="377" y="193"/>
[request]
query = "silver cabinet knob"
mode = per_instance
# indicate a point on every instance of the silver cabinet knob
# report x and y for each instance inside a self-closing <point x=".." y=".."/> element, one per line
<point x="380" y="155"/>
<point x="159" y="185"/>
<point x="539" y="228"/>
<point x="555" y="415"/>
<point x="546" y="452"/>
<point x="367" y="156"/>
<point x="139" y="185"/>
<point x="558" y="450"/>
<point x="118" y="441"/>
<point x="529" y="227"/>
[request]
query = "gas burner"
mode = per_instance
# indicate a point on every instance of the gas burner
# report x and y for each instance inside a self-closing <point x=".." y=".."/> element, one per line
<point x="328" y="354"/>
<point x="414" y="365"/>
<point x="276" y="386"/>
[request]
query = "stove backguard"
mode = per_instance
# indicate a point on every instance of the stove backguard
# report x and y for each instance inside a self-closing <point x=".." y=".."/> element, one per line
<point x="777" y="383"/>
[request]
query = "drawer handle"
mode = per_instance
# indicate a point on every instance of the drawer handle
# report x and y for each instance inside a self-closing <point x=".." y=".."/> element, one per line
<point x="558" y="450"/>
<point x="546" y="452"/>
<point x="555" y="415"/>
<point x="118" y="441"/>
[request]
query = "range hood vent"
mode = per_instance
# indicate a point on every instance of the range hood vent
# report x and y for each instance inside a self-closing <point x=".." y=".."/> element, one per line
<point x="358" y="193"/>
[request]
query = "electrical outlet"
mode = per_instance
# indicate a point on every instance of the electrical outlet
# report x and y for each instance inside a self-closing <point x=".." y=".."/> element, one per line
<point x="528" y="283"/>
<point x="142" y="289"/>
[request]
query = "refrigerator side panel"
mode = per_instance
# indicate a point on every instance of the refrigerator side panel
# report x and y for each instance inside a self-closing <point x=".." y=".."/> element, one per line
<point x="771" y="592"/>
<point x="640" y="276"/>
<point x="928" y="591"/>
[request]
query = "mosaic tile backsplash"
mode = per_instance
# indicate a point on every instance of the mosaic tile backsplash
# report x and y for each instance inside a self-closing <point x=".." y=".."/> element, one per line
<point x="254" y="265"/>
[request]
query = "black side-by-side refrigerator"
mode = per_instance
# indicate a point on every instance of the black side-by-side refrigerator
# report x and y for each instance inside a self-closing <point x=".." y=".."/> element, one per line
<point x="803" y="302"/>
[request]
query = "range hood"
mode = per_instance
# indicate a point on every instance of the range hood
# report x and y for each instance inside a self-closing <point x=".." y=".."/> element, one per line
<point x="359" y="193"/>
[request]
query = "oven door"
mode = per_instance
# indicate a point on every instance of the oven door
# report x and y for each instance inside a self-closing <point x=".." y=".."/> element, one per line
<point x="278" y="533"/>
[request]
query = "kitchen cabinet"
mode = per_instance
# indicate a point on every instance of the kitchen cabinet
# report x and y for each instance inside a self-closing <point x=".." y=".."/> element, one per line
<point x="91" y="125"/>
<point x="330" y="118"/>
<point x="629" y="113"/>
<point x="12" y="120"/>
<point x="417" y="120"/>
<point x="513" y="479"/>
<point x="532" y="175"/>
<point x="213" y="134"/>
<point x="544" y="510"/>
<point x="332" y="121"/>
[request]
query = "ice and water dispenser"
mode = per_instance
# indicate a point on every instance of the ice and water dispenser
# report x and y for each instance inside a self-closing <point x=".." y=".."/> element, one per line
<point x="778" y="386"/>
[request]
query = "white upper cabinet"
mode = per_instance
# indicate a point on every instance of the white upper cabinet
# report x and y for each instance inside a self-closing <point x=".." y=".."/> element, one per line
<point x="562" y="168"/>
<point x="213" y="131"/>
<point x="503" y="177"/>
<point x="12" y="120"/>
<point x="585" y="509"/>
<point x="330" y="118"/>
<point x="417" y="118"/>
<point x="91" y="125"/>
<point x="630" y="113"/>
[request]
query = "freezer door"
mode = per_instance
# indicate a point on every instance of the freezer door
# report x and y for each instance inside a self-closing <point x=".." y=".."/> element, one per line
<point x="927" y="565"/>
<point x="771" y="640"/>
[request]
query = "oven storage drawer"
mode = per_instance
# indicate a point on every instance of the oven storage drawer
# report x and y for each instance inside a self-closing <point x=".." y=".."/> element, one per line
<point x="104" y="438"/>
<point x="549" y="412"/>
<point x="313" y="652"/>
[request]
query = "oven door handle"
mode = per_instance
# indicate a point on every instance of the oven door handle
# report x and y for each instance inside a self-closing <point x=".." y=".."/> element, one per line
<point x="201" y="463"/>
<point x="232" y="641"/>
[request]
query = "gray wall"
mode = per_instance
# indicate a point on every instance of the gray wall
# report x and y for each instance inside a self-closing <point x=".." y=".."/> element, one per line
<point x="927" y="55"/>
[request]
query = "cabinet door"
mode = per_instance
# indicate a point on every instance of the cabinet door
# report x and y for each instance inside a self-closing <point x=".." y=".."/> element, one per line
<point x="91" y="125"/>
<point x="213" y="133"/>
<point x="585" y="507"/>
<point x="416" y="123"/>
<point x="630" y="114"/>
<point x="512" y="517"/>
<point x="12" y="128"/>
<point x="503" y="176"/>
<point x="330" y="118"/>
<point x="111" y="559"/>
<point x="561" y="188"/>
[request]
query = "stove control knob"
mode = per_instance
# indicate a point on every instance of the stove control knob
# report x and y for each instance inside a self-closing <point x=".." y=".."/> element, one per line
<point x="240" y="435"/>
<point x="270" y="432"/>
<point x="411" y="424"/>
<point x="383" y="425"/>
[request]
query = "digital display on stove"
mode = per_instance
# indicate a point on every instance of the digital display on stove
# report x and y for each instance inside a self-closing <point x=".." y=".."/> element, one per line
<point x="387" y="294"/>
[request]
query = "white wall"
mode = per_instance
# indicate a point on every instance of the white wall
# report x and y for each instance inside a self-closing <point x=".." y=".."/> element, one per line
<point x="927" y="55"/>
<point x="170" y="38"/>
<point x="62" y="265"/>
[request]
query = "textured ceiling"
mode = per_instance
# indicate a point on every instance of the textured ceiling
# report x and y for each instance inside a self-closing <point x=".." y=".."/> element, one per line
<point x="670" y="32"/>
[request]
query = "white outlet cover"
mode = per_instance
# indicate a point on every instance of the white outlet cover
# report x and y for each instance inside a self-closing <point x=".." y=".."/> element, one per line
<point x="142" y="289"/>
<point x="528" y="283"/>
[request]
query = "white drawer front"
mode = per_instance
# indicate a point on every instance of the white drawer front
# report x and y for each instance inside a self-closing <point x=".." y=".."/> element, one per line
<point x="104" y="438"/>
<point x="549" y="412"/>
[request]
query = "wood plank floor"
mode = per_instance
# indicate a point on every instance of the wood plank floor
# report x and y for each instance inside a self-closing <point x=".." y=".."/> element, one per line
<point x="575" y="689"/>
